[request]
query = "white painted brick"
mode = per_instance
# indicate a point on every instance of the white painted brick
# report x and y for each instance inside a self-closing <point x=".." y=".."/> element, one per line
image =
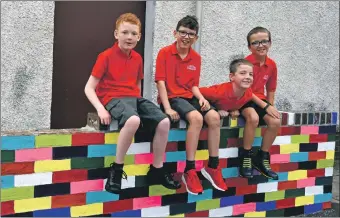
<point x="290" y="119"/>
<point x="139" y="148"/>
<point x="129" y="183"/>
<point x="282" y="140"/>
<point x="326" y="146"/>
<point x="228" y="152"/>
<point x="221" y="212"/>
<point x="314" y="190"/>
<point x="267" y="187"/>
<point x="329" y="171"/>
<point x="156" y="212"/>
<point x="33" y="179"/>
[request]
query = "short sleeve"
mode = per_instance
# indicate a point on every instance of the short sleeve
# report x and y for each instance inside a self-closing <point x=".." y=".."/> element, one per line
<point x="141" y="70"/>
<point x="100" y="67"/>
<point x="272" y="81"/>
<point x="160" y="66"/>
<point x="198" y="73"/>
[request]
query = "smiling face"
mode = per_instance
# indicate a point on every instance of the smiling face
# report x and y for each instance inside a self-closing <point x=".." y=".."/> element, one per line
<point x="259" y="44"/>
<point x="243" y="77"/>
<point x="185" y="37"/>
<point x="128" y="35"/>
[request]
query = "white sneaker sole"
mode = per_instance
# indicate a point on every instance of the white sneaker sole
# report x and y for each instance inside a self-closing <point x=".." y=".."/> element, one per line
<point x="208" y="177"/>
<point x="186" y="187"/>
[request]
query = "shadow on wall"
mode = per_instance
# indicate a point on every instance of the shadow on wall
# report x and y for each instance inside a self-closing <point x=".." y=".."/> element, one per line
<point x="22" y="79"/>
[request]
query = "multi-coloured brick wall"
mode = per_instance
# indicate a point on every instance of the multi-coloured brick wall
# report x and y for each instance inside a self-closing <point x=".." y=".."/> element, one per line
<point x="62" y="173"/>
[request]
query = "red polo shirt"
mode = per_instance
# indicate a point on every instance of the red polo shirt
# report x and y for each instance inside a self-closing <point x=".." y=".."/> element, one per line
<point x="118" y="74"/>
<point x="264" y="76"/>
<point x="180" y="75"/>
<point x="223" y="96"/>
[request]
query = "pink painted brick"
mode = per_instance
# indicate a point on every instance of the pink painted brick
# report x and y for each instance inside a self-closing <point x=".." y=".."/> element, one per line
<point x="309" y="130"/>
<point x="33" y="154"/>
<point x="244" y="208"/>
<point x="279" y="158"/>
<point x="145" y="158"/>
<point x="87" y="186"/>
<point x="305" y="182"/>
<point x="181" y="165"/>
<point x="139" y="203"/>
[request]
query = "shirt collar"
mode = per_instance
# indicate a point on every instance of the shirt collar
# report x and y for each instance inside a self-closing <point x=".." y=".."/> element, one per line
<point x="120" y="52"/>
<point x="253" y="60"/>
<point x="174" y="51"/>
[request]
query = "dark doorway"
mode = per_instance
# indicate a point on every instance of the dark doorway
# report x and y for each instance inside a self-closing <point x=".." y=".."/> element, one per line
<point x="81" y="31"/>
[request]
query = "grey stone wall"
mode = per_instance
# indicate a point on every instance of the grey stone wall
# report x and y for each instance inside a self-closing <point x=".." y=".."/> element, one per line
<point x="27" y="30"/>
<point x="305" y="45"/>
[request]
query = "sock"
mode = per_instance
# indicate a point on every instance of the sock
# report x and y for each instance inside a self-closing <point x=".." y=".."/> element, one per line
<point x="213" y="162"/>
<point x="190" y="164"/>
<point x="152" y="167"/>
<point x="117" y="166"/>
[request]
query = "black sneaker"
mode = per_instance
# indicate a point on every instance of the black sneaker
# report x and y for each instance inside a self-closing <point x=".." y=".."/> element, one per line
<point x="261" y="162"/>
<point x="114" y="180"/>
<point x="246" y="169"/>
<point x="160" y="176"/>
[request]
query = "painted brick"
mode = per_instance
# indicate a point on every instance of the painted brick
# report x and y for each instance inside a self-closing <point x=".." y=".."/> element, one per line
<point x="267" y="187"/>
<point x="18" y="193"/>
<point x="265" y="206"/>
<point x="304" y="200"/>
<point x="31" y="204"/>
<point x="326" y="146"/>
<point x="17" y="142"/>
<point x="313" y="190"/>
<point x="322" y="198"/>
<point x="17" y="168"/>
<point x="33" y="154"/>
<point x="207" y="204"/>
<point x="7" y="208"/>
<point x="312" y="208"/>
<point x="101" y="150"/>
<point x="139" y="148"/>
<point x="300" y="138"/>
<point x="87" y="163"/>
<point x="127" y="213"/>
<point x="156" y="190"/>
<point x="246" y="190"/>
<point x="175" y="156"/>
<point x="221" y="212"/>
<point x="87" y="138"/>
<point x="53" y="140"/>
<point x="139" y="203"/>
<point x="289" y="148"/>
<point x="177" y="135"/>
<point x="318" y="138"/>
<point x="56" y="212"/>
<point x="68" y="200"/>
<point x="285" y="203"/>
<point x="86" y="186"/>
<point x="7" y="181"/>
<point x="299" y="157"/>
<point x="69" y="176"/>
<point x="60" y="153"/>
<point x="306" y="130"/>
<point x="273" y="196"/>
<point x="87" y="210"/>
<point x="198" y="214"/>
<point x="52" y="165"/>
<point x="287" y="185"/>
<point x="7" y="156"/>
<point x="324" y="163"/>
<point x="316" y="155"/>
<point x="244" y="208"/>
<point x="156" y="211"/>
<point x="33" y="179"/>
<point x="100" y="196"/>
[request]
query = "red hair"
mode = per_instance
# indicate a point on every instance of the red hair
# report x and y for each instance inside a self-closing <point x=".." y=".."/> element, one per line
<point x="129" y="18"/>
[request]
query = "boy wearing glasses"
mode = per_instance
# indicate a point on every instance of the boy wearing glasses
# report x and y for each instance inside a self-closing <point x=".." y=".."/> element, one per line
<point x="177" y="76"/>
<point x="265" y="79"/>
<point x="114" y="90"/>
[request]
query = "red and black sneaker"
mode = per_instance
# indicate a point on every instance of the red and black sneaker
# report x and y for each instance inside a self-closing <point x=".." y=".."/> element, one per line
<point x="214" y="176"/>
<point x="192" y="182"/>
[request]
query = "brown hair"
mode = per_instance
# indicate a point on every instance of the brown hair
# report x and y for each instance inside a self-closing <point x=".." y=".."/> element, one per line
<point x="129" y="18"/>
<point x="236" y="63"/>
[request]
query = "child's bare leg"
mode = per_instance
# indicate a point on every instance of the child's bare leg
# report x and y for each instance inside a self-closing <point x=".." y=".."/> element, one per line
<point x="212" y="118"/>
<point x="195" y="120"/>
<point x="160" y="142"/>
<point x="125" y="137"/>
<point x="269" y="136"/>
<point x="252" y="121"/>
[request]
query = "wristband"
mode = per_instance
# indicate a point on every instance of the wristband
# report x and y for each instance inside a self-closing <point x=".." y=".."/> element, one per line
<point x="265" y="108"/>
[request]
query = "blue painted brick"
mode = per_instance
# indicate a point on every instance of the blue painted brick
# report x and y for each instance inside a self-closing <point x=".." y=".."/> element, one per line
<point x="265" y="206"/>
<point x="257" y="141"/>
<point x="230" y="172"/>
<point x="207" y="194"/>
<point x="101" y="150"/>
<point x="299" y="157"/>
<point x="17" y="142"/>
<point x="312" y="208"/>
<point x="283" y="176"/>
<point x="99" y="197"/>
<point x="177" y="135"/>
<point x="322" y="198"/>
<point x="175" y="156"/>
<point x="127" y="213"/>
<point x="240" y="121"/>
<point x="56" y="212"/>
<point x="232" y="200"/>
<point x="7" y="181"/>
<point x="334" y="118"/>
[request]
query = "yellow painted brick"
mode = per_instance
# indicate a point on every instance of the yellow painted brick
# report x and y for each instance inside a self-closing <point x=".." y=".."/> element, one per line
<point x="52" y="165"/>
<point x="233" y="122"/>
<point x="289" y="148"/>
<point x="53" y="140"/>
<point x="112" y="138"/>
<point x="32" y="204"/>
<point x="178" y="215"/>
<point x="255" y="214"/>
<point x="202" y="155"/>
<point x="136" y="170"/>
<point x="297" y="175"/>
<point x="87" y="210"/>
<point x="304" y="200"/>
<point x="330" y="155"/>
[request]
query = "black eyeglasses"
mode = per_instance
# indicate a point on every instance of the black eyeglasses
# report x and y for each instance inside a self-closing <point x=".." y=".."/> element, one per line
<point x="263" y="42"/>
<point x="184" y="34"/>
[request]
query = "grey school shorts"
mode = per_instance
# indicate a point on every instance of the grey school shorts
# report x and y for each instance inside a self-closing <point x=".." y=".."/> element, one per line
<point x="121" y="109"/>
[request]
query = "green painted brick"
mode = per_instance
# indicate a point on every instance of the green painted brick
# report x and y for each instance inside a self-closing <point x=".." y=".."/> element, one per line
<point x="17" y="193"/>
<point x="156" y="190"/>
<point x="7" y="156"/>
<point x="128" y="160"/>
<point x="332" y="137"/>
<point x="53" y="140"/>
<point x="300" y="138"/>
<point x="274" y="196"/>
<point x="275" y="213"/>
<point x="87" y="163"/>
<point x="292" y="193"/>
<point x="228" y="133"/>
<point x="207" y="204"/>
<point x="108" y="160"/>
<point x="258" y="132"/>
<point x="324" y="163"/>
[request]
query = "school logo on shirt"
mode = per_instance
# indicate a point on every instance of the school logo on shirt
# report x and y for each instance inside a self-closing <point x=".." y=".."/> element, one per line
<point x="265" y="77"/>
<point x="191" y="67"/>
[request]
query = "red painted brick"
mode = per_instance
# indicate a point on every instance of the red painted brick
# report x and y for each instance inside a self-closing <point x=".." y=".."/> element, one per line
<point x="286" y="167"/>
<point x="275" y="167"/>
<point x="204" y="134"/>
<point x="327" y="205"/>
<point x="316" y="173"/>
<point x="69" y="176"/>
<point x="17" y="168"/>
<point x="249" y="189"/>
<point x="68" y="200"/>
<point x="287" y="185"/>
<point x="285" y="203"/>
<point x="88" y="138"/>
<point x="116" y="206"/>
<point x="198" y="214"/>
<point x="234" y="142"/>
<point x="275" y="149"/>
<point x="7" y="208"/>
<point x="318" y="138"/>
<point x="171" y="146"/>
<point x="236" y="182"/>
<point x="291" y="130"/>
<point x="316" y="155"/>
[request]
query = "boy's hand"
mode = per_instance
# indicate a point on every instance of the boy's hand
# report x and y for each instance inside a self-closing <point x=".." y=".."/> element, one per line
<point x="234" y="114"/>
<point x="223" y="113"/>
<point x="105" y="116"/>
<point x="173" y="114"/>
<point x="271" y="111"/>
<point x="204" y="104"/>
